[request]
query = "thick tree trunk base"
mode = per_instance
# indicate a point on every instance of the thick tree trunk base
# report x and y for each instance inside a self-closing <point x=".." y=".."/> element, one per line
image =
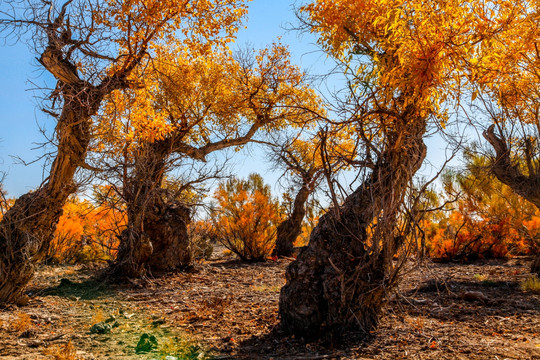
<point x="14" y="281"/>
<point x="333" y="286"/>
<point x="341" y="280"/>
<point x="164" y="245"/>
<point x="167" y="228"/>
<point x="133" y="253"/>
<point x="25" y="233"/>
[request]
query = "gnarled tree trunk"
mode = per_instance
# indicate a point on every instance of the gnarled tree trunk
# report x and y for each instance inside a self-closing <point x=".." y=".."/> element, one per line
<point x="290" y="229"/>
<point x="339" y="281"/>
<point x="156" y="240"/>
<point x="28" y="227"/>
<point x="527" y="186"/>
<point x="167" y="227"/>
<point x="156" y="237"/>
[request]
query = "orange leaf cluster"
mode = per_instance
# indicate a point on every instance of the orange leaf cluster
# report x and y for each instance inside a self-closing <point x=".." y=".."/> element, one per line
<point x="488" y="220"/>
<point x="246" y="217"/>
<point x="85" y="232"/>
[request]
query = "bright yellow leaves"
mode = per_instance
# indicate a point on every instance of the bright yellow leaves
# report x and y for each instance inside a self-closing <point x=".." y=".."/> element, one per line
<point x="203" y="100"/>
<point x="303" y="158"/>
<point x="246" y="217"/>
<point x="507" y="65"/>
<point x="196" y="25"/>
<point x="414" y="51"/>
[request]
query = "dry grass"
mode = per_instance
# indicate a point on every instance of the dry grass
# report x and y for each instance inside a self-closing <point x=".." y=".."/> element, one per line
<point x="531" y="284"/>
<point x="62" y="352"/>
<point x="21" y="323"/>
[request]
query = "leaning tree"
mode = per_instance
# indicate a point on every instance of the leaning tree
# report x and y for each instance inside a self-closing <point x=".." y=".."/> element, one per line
<point x="404" y="65"/>
<point x="506" y="72"/>
<point x="93" y="48"/>
<point x="303" y="165"/>
<point x="194" y="107"/>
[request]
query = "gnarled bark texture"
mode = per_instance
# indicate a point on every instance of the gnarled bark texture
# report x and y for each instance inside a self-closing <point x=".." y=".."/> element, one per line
<point x="162" y="245"/>
<point x="156" y="237"/>
<point x="509" y="173"/>
<point x="27" y="228"/>
<point x="340" y="279"/>
<point x="290" y="229"/>
<point x="167" y="227"/>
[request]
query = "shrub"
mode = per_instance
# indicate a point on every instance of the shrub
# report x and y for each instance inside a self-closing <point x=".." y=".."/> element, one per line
<point x="531" y="284"/>
<point x="85" y="233"/>
<point x="246" y="217"/>
<point x="62" y="352"/>
<point x="21" y="323"/>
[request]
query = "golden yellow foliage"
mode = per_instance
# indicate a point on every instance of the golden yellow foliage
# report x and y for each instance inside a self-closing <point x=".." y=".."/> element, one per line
<point x="246" y="217"/>
<point x="506" y="65"/>
<point x="418" y="51"/>
<point x="196" y="101"/>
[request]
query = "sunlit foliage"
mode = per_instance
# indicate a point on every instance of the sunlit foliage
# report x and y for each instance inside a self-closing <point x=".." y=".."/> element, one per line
<point x="246" y="217"/>
<point x="488" y="219"/>
<point x="85" y="233"/>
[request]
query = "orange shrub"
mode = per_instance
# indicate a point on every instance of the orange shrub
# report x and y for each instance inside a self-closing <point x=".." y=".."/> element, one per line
<point x="246" y="217"/>
<point x="85" y="233"/>
<point x="487" y="221"/>
<point x="21" y="323"/>
<point x="462" y="237"/>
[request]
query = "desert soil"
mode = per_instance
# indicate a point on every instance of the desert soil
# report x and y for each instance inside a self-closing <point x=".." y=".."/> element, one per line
<point x="229" y="310"/>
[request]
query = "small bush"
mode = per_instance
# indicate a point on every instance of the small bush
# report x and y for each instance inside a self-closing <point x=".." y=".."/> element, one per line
<point x="246" y="218"/>
<point x="21" y="323"/>
<point x="62" y="352"/>
<point x="531" y="284"/>
<point x="182" y="349"/>
<point x="85" y="233"/>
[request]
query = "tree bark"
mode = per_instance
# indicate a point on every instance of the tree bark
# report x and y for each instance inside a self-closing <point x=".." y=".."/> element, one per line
<point x="527" y="186"/>
<point x="510" y="174"/>
<point x="290" y="229"/>
<point x="156" y="237"/>
<point x="28" y="227"/>
<point x="167" y="227"/>
<point x="339" y="280"/>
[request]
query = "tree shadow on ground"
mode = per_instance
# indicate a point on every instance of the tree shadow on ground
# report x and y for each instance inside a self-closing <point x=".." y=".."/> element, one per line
<point x="464" y="301"/>
<point x="88" y="289"/>
<point x="239" y="264"/>
<point x="277" y="344"/>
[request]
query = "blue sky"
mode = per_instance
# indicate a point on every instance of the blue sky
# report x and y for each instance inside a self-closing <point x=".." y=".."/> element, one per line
<point x="21" y="118"/>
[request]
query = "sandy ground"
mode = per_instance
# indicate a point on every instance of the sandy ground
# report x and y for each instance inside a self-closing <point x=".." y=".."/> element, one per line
<point x="226" y="310"/>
